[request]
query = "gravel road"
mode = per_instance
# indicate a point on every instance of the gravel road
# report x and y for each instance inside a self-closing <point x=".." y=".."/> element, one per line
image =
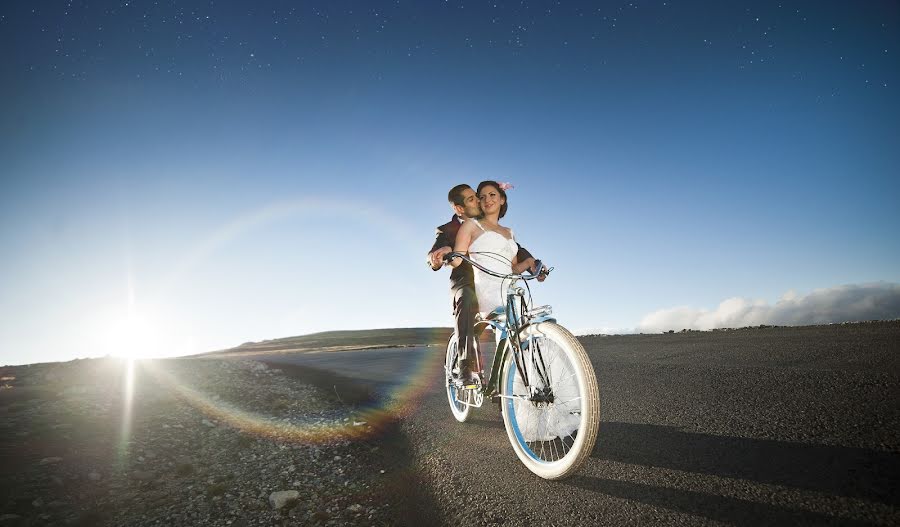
<point x="761" y="426"/>
<point x="193" y="442"/>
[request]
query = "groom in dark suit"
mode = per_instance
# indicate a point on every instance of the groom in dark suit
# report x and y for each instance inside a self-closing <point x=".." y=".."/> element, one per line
<point x="465" y="204"/>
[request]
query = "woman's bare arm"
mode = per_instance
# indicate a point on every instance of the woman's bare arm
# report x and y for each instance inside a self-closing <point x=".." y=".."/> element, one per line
<point x="520" y="267"/>
<point x="463" y="240"/>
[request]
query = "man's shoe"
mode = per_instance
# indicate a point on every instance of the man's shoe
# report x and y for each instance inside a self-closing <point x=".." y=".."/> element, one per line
<point x="471" y="378"/>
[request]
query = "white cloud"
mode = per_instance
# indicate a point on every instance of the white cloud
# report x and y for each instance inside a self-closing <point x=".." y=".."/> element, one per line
<point x="846" y="303"/>
<point x="606" y="330"/>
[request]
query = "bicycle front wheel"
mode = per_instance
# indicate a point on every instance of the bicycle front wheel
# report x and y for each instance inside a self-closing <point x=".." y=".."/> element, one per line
<point x="550" y="401"/>
<point x="455" y="394"/>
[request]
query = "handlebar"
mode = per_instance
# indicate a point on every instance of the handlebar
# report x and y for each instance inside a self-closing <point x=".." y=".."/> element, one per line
<point x="512" y="276"/>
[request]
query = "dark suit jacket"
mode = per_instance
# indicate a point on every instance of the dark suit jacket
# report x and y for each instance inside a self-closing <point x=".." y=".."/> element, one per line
<point x="462" y="275"/>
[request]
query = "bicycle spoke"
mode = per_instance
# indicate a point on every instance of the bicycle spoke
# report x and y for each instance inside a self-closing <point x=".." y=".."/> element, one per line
<point x="548" y="420"/>
<point x="570" y="400"/>
<point x="514" y="397"/>
<point x="572" y="438"/>
<point x="562" y="440"/>
<point x="567" y="378"/>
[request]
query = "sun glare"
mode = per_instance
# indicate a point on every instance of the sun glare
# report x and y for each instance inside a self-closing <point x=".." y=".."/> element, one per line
<point x="131" y="336"/>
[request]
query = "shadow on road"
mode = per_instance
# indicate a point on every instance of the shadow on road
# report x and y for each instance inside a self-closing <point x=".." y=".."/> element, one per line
<point x="838" y="471"/>
<point x="480" y="422"/>
<point x="403" y="486"/>
<point x="717" y="508"/>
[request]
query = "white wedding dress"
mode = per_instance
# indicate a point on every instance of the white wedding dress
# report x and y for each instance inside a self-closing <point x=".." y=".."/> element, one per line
<point x="495" y="252"/>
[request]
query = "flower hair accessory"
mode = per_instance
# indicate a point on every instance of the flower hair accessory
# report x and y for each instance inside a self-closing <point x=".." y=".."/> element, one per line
<point x="504" y="186"/>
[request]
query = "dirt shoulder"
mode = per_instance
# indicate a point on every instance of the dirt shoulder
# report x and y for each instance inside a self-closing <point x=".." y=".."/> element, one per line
<point x="190" y="442"/>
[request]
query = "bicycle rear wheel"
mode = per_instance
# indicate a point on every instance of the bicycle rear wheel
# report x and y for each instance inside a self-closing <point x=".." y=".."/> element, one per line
<point x="550" y="401"/>
<point x="455" y="394"/>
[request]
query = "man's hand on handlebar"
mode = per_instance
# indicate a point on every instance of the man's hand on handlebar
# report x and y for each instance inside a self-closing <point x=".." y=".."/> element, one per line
<point x="437" y="258"/>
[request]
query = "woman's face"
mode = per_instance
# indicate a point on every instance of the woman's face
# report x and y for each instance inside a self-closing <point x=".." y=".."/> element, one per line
<point x="490" y="199"/>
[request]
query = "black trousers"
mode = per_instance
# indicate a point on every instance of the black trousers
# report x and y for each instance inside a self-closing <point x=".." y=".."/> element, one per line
<point x="465" y="307"/>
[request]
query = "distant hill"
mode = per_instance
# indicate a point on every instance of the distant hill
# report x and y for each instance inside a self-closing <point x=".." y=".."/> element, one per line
<point x="345" y="340"/>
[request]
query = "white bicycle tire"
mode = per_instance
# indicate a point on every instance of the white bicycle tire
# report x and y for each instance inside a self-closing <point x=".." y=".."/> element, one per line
<point x="560" y="457"/>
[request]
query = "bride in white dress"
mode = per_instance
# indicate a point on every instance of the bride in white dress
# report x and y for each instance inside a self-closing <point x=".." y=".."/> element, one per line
<point x="495" y="252"/>
<point x="491" y="245"/>
<point x="494" y="246"/>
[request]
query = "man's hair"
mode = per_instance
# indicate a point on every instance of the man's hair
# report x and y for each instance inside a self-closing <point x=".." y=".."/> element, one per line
<point x="455" y="195"/>
<point x="500" y="191"/>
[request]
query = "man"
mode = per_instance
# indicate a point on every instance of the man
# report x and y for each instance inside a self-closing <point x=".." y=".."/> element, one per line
<point x="465" y="204"/>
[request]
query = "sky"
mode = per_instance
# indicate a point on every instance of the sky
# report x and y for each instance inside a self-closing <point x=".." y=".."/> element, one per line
<point x="185" y="176"/>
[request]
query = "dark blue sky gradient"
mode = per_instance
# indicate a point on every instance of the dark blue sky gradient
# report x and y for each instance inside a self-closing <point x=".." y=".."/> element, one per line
<point x="665" y="153"/>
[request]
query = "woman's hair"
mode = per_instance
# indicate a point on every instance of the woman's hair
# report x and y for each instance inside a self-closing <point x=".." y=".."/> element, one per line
<point x="502" y="192"/>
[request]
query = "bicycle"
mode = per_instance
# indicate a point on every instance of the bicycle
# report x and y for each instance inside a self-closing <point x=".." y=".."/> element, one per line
<point x="541" y="376"/>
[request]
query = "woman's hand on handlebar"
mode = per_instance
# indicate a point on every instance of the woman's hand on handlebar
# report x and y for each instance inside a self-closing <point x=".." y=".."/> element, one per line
<point x="543" y="273"/>
<point x="535" y="267"/>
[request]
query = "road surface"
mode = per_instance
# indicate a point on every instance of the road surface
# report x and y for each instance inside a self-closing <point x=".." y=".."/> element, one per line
<point x="767" y="426"/>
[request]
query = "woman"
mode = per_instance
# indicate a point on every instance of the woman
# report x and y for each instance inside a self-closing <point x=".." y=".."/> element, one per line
<point x="491" y="245"/>
<point x="494" y="247"/>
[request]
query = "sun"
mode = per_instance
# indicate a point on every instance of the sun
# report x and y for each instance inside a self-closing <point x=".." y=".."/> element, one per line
<point x="132" y="336"/>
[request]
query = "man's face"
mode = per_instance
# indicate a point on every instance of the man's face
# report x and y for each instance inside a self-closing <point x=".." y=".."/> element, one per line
<point x="470" y="207"/>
